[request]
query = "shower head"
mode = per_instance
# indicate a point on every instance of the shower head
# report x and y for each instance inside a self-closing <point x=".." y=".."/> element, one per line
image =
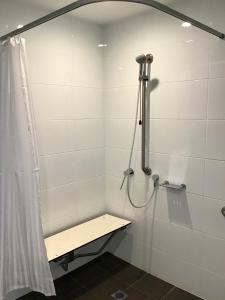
<point x="144" y="62"/>
<point x="140" y="59"/>
<point x="149" y="58"/>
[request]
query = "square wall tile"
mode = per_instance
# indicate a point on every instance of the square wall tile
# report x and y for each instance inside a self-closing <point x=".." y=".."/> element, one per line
<point x="214" y="179"/>
<point x="71" y="204"/>
<point x="178" y="137"/>
<point x="120" y="102"/>
<point x="217" y="58"/>
<point x="182" y="61"/>
<point x="90" y="199"/>
<point x="56" y="170"/>
<point x="116" y="161"/>
<point x="56" y="202"/>
<point x="216" y="102"/>
<point x="192" y="246"/>
<point x="215" y="142"/>
<point x="116" y="199"/>
<point x="51" y="102"/>
<point x="56" y="47"/>
<point x="87" y="164"/>
<point x="87" y="133"/>
<point x="121" y="69"/>
<point x="191" y="211"/>
<point x="54" y="137"/>
<point x="118" y="133"/>
<point x="187" y="276"/>
<point x="86" y="102"/>
<point x="180" y="100"/>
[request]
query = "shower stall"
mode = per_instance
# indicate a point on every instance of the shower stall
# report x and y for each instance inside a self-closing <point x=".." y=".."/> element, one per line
<point x="139" y="136"/>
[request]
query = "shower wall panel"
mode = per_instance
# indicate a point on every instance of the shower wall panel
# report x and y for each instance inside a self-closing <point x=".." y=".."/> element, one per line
<point x="179" y="237"/>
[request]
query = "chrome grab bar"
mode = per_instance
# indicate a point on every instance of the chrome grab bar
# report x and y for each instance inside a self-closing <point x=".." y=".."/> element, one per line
<point x="177" y="187"/>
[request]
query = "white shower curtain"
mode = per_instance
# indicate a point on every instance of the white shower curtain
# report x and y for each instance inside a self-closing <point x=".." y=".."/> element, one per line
<point x="23" y="259"/>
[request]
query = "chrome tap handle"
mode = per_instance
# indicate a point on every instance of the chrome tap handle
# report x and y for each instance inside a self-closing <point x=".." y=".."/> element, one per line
<point x="128" y="172"/>
<point x="123" y="182"/>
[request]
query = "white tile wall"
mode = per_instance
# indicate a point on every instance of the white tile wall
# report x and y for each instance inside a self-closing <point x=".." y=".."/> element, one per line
<point x="67" y="95"/>
<point x="72" y="203"/>
<point x="85" y="131"/>
<point x="215" y="143"/>
<point x="216" y="104"/>
<point x="178" y="137"/>
<point x="176" y="100"/>
<point x="217" y="59"/>
<point x="180" y="237"/>
<point x="214" y="179"/>
<point x="202" y="283"/>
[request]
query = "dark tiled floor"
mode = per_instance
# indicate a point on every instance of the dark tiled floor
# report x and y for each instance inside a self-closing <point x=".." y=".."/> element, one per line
<point x="99" y="279"/>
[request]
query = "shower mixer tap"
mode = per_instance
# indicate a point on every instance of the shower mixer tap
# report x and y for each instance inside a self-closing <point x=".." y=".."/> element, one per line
<point x="128" y="172"/>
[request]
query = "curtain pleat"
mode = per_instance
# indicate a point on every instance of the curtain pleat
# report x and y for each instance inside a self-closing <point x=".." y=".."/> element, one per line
<point x="23" y="257"/>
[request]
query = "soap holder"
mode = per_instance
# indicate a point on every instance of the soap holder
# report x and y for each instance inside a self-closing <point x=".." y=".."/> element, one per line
<point x="177" y="187"/>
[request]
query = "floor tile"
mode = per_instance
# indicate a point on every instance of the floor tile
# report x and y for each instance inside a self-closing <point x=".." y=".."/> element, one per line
<point x="33" y="296"/>
<point x="103" y="276"/>
<point x="152" y="286"/>
<point x="108" y="261"/>
<point x="128" y="273"/>
<point x="65" y="284"/>
<point x="136" y="295"/>
<point x="106" y="288"/>
<point x="178" y="294"/>
<point x="83" y="294"/>
<point x="89" y="274"/>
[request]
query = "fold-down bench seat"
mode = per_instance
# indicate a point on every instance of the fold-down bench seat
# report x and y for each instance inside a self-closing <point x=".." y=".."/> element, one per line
<point x="71" y="239"/>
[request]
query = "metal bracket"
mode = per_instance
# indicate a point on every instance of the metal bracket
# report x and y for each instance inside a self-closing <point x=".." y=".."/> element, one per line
<point x="67" y="258"/>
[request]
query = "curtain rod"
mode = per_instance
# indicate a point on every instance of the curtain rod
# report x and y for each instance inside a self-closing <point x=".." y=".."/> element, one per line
<point x="80" y="3"/>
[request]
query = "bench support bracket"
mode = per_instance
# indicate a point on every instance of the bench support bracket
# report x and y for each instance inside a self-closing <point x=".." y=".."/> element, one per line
<point x="67" y="258"/>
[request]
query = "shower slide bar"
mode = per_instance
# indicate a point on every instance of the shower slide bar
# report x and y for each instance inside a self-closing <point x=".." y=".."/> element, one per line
<point x="144" y="62"/>
<point x="61" y="246"/>
<point x="80" y="3"/>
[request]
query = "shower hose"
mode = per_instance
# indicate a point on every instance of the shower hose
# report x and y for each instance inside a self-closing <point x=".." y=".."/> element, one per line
<point x="129" y="171"/>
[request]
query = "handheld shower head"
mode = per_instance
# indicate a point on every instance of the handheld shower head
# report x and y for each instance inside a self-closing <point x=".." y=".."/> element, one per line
<point x="140" y="59"/>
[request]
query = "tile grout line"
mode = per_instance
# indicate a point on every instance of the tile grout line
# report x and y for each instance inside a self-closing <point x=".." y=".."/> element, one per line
<point x="132" y="284"/>
<point x="168" y="293"/>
